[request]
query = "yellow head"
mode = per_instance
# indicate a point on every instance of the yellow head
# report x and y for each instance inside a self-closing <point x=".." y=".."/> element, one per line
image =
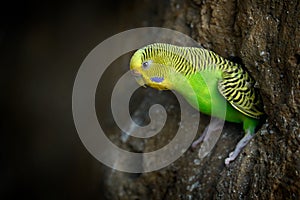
<point x="151" y="68"/>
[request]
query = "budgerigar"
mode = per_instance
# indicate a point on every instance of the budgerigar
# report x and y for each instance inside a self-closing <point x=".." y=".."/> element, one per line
<point x="215" y="81"/>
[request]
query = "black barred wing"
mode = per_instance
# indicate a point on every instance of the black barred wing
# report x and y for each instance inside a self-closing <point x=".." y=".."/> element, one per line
<point x="238" y="89"/>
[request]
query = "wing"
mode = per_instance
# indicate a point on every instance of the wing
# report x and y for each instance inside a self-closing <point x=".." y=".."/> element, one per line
<point x="238" y="89"/>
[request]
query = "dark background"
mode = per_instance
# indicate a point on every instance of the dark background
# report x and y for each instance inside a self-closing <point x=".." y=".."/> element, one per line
<point x="42" y="45"/>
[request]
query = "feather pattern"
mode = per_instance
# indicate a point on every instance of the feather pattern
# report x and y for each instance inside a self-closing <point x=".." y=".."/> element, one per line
<point x="235" y="84"/>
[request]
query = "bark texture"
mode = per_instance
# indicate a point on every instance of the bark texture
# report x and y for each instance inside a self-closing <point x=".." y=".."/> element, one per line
<point x="265" y="34"/>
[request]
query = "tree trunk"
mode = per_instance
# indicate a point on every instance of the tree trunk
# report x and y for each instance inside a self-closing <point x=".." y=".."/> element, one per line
<point x="265" y="34"/>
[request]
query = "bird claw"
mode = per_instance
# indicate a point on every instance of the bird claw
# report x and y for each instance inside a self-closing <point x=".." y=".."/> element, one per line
<point x="198" y="141"/>
<point x="227" y="160"/>
<point x="215" y="125"/>
<point x="230" y="158"/>
<point x="239" y="147"/>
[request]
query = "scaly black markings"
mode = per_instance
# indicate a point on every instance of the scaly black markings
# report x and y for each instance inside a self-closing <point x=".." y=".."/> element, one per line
<point x="236" y="85"/>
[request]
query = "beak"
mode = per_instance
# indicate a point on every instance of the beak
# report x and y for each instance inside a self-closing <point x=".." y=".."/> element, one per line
<point x="140" y="81"/>
<point x="138" y="77"/>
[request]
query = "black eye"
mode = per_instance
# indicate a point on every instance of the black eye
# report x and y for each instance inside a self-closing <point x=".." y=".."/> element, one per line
<point x="146" y="65"/>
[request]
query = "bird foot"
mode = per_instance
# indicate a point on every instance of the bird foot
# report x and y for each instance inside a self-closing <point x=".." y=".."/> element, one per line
<point x="215" y="124"/>
<point x="200" y="139"/>
<point x="230" y="158"/>
<point x="239" y="147"/>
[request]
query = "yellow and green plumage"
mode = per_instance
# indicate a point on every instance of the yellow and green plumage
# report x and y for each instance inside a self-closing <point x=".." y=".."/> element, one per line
<point x="214" y="80"/>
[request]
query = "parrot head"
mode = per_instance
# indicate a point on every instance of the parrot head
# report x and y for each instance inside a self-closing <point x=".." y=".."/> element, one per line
<point x="149" y="68"/>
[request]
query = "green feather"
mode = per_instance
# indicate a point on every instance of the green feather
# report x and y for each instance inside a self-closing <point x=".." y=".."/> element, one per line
<point x="215" y="81"/>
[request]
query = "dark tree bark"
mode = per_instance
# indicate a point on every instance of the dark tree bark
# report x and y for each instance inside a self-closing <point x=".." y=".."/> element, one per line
<point x="265" y="34"/>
